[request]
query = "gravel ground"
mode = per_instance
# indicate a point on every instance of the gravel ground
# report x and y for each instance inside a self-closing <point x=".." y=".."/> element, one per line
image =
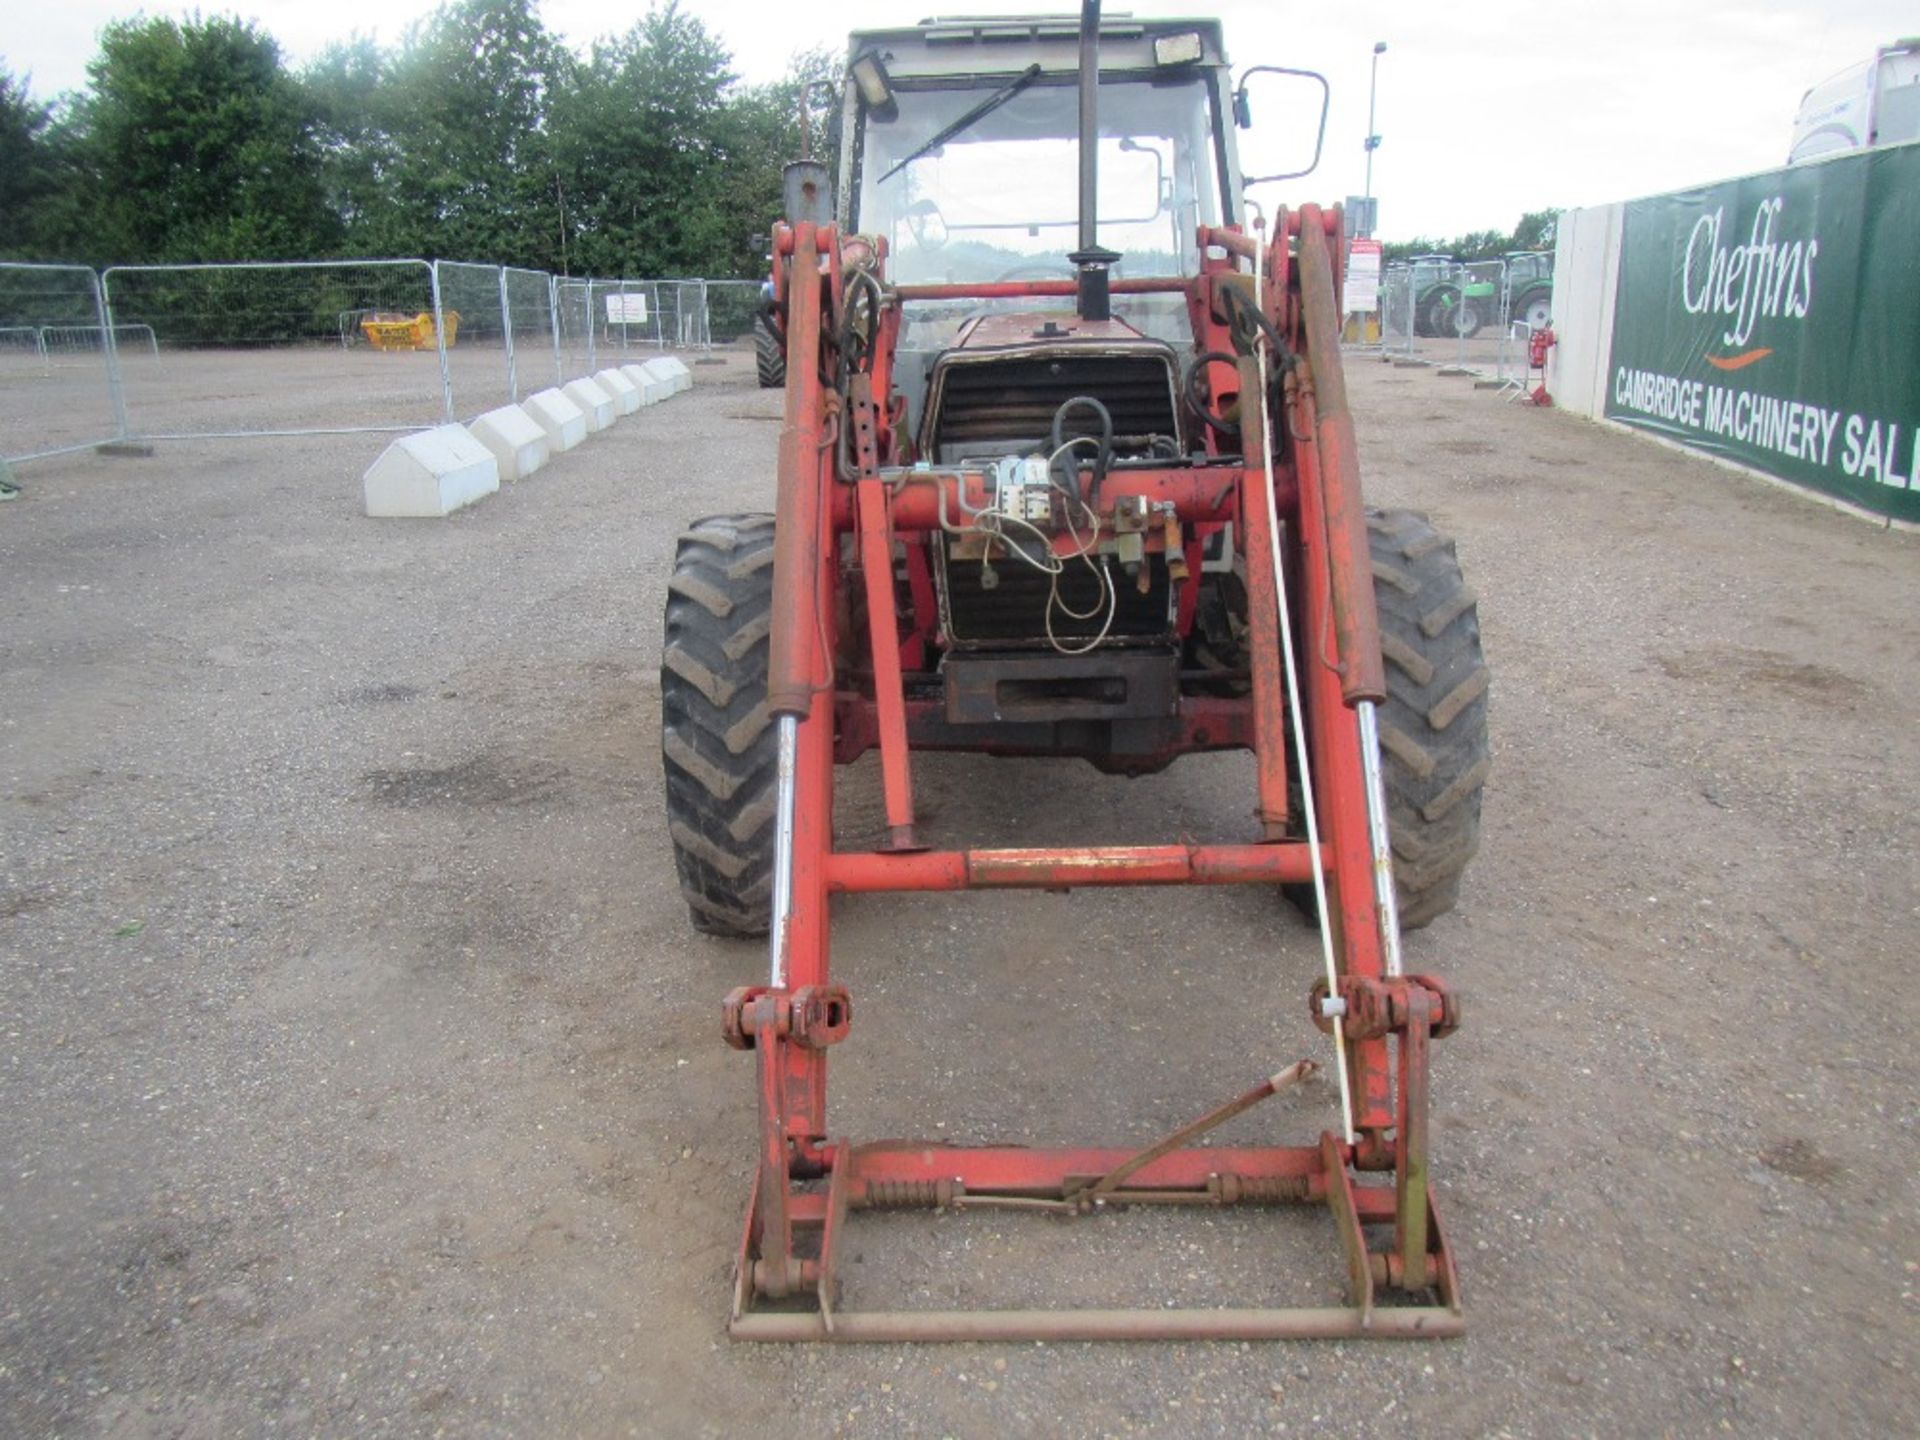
<point x="360" y="1075"/>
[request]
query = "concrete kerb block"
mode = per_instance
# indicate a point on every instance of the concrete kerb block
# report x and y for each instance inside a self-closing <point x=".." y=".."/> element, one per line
<point x="594" y="402"/>
<point x="516" y="439"/>
<point x="653" y="388"/>
<point x="677" y="376"/>
<point x="626" y="394"/>
<point x="564" y="421"/>
<point x="431" y="473"/>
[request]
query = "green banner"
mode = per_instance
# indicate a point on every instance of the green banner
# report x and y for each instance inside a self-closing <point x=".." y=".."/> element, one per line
<point x="1775" y="320"/>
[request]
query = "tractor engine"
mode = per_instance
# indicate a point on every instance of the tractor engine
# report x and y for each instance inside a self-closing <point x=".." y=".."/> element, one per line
<point x="1046" y="624"/>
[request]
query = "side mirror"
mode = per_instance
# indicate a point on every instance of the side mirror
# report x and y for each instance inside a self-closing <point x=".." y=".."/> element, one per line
<point x="1291" y="89"/>
<point x="926" y="224"/>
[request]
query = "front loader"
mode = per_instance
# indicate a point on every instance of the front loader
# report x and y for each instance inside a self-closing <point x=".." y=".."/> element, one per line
<point x="1067" y="469"/>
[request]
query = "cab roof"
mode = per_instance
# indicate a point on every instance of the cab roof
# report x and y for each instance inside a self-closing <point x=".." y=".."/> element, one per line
<point x="1007" y="44"/>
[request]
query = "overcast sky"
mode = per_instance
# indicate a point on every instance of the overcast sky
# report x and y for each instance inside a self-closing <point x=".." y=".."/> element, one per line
<point x="1485" y="111"/>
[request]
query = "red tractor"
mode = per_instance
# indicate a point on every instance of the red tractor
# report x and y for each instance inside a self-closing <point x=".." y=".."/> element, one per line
<point x="1067" y="469"/>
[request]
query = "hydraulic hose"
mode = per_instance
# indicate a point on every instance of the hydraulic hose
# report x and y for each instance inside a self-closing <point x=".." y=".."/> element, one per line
<point x="1103" y="457"/>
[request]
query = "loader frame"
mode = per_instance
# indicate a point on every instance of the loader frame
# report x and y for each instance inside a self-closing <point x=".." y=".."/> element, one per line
<point x="846" y="492"/>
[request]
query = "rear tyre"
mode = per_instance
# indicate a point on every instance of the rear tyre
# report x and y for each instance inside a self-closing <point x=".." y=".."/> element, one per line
<point x="716" y="738"/>
<point x="1433" y="726"/>
<point x="769" y="354"/>
<point x="1536" y="308"/>
<point x="1436" y="311"/>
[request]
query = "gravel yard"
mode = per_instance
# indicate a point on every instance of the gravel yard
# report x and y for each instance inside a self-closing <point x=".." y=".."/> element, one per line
<point x="359" y="1074"/>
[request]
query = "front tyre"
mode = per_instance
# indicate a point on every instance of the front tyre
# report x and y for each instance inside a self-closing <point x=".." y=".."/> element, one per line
<point x="1433" y="726"/>
<point x="716" y="737"/>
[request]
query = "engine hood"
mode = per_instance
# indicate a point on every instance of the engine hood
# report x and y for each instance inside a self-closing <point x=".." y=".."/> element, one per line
<point x="992" y="332"/>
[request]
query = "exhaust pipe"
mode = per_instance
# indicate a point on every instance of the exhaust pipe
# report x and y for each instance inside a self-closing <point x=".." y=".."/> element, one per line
<point x="1090" y="262"/>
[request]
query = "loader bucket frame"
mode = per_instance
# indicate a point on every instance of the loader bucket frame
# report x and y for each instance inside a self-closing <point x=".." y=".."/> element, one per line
<point x="845" y="488"/>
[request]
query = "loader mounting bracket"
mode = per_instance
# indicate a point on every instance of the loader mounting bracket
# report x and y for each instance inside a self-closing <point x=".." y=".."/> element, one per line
<point x="804" y="1194"/>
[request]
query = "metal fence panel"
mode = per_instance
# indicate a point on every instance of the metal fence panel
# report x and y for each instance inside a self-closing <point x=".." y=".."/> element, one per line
<point x="690" y="329"/>
<point x="1480" y="318"/>
<point x="59" y="374"/>
<point x="1396" y="311"/>
<point x="573" y="307"/>
<point x="474" y="305"/>
<point x="533" y="331"/>
<point x="731" y="308"/>
<point x="330" y="372"/>
<point x="162" y="352"/>
<point x="626" y="318"/>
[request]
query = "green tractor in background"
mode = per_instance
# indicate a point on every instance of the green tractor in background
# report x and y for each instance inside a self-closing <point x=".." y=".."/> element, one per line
<point x="1451" y="300"/>
<point x="1448" y="301"/>
<point x="1530" y="287"/>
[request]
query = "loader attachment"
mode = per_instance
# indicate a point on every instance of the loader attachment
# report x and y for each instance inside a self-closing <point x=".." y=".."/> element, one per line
<point x="1057" y="534"/>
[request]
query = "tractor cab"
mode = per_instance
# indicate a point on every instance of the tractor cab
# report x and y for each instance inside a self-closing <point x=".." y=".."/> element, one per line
<point x="959" y="149"/>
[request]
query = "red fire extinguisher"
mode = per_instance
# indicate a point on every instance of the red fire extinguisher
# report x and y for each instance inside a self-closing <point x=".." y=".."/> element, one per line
<point x="1538" y="344"/>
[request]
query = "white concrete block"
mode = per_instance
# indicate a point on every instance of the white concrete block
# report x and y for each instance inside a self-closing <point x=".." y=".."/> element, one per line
<point x="564" y="421"/>
<point x="516" y="440"/>
<point x="626" y="394"/>
<point x="673" y="371"/>
<point x="653" y="388"/>
<point x="594" y="402"/>
<point x="433" y="472"/>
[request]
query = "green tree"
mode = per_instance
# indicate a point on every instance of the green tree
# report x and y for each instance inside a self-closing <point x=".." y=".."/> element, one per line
<point x="767" y="119"/>
<point x="349" y="89"/>
<point x="454" y="145"/>
<point x="478" y="137"/>
<point x="28" y="173"/>
<point x="198" y="145"/>
<point x="640" y="140"/>
<point x="1535" y="231"/>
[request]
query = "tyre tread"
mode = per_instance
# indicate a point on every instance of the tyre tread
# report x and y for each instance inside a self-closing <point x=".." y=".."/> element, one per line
<point x="716" y="734"/>
<point x="1433" y="726"/>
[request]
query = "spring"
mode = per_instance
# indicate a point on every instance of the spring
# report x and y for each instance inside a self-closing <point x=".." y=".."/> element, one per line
<point x="1263" y="1189"/>
<point x="907" y="1194"/>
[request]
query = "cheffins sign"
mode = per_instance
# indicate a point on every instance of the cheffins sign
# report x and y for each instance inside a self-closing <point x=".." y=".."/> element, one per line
<point x="1775" y="320"/>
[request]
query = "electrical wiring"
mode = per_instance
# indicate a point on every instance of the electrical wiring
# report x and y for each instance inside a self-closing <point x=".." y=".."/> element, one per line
<point x="991" y="522"/>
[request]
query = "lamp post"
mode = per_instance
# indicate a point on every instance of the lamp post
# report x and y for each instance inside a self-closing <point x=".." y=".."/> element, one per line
<point x="1373" y="140"/>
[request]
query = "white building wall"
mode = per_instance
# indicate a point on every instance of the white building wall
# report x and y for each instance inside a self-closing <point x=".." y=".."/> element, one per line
<point x="1586" y="278"/>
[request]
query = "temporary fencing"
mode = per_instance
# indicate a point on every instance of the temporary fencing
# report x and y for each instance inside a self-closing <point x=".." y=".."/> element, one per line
<point x="164" y="352"/>
<point x="59" y="383"/>
<point x="477" y="336"/>
<point x="730" y="307"/>
<point x="689" y="315"/>
<point x="1473" y="316"/>
<point x="1396" y="311"/>
<point x="213" y="325"/>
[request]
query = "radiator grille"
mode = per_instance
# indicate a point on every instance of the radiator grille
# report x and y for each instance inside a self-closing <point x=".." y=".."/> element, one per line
<point x="1007" y="405"/>
<point x="1013" y="612"/>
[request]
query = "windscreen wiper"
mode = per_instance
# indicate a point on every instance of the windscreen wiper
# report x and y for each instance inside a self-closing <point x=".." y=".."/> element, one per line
<point x="986" y="107"/>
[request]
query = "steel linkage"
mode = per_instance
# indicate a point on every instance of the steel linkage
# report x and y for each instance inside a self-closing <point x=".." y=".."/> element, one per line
<point x="845" y="476"/>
